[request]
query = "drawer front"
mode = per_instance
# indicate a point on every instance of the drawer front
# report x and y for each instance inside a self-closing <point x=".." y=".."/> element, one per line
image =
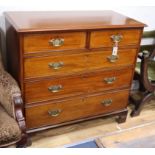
<point x="54" y="65"/>
<point x="103" y="38"/>
<point x="48" y="89"/>
<point x="58" y="112"/>
<point x="104" y="59"/>
<point x="53" y="41"/>
<point x="74" y="63"/>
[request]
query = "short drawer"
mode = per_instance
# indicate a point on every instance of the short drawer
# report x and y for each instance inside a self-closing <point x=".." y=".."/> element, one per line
<point x="104" y="59"/>
<point x="44" y="42"/>
<point x="54" y="65"/>
<point x="104" y="38"/>
<point x="57" y="88"/>
<point x="52" y="113"/>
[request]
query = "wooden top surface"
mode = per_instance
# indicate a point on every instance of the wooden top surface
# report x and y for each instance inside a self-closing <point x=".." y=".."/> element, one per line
<point x="69" y="20"/>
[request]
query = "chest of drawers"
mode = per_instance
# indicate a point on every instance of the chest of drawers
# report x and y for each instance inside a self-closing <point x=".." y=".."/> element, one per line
<point x="72" y="66"/>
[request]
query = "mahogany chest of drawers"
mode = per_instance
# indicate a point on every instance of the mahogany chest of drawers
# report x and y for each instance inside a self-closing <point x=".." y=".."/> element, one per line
<point x="72" y="66"/>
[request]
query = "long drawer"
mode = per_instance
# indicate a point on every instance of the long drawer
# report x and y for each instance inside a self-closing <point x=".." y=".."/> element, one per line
<point x="57" y="88"/>
<point x="74" y="63"/>
<point x="105" y="38"/>
<point x="62" y="111"/>
<point x="40" y="42"/>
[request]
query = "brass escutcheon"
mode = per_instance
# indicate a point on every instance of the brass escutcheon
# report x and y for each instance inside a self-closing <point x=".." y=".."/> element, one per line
<point x="55" y="88"/>
<point x="117" y="38"/>
<point x="55" y="112"/>
<point x="110" y="80"/>
<point x="56" y="42"/>
<point x="106" y="102"/>
<point x="113" y="58"/>
<point x="56" y="65"/>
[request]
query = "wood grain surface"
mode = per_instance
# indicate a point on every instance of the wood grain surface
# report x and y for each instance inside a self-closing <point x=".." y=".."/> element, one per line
<point x="40" y="42"/>
<point x="36" y="67"/>
<point x="68" y="20"/>
<point x="36" y="91"/>
<point x="75" y="108"/>
<point x="103" y="38"/>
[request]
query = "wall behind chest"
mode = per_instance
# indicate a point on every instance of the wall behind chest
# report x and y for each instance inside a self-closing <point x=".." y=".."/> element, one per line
<point x="141" y="13"/>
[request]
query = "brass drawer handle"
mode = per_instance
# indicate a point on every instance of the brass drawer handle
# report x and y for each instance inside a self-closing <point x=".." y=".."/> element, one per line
<point x="117" y="38"/>
<point x="54" y="113"/>
<point x="112" y="58"/>
<point x="56" y="42"/>
<point x="110" y="80"/>
<point x="56" y="65"/>
<point x="106" y="102"/>
<point x="55" y="88"/>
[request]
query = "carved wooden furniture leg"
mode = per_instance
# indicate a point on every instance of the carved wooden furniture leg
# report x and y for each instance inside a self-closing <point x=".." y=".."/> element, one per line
<point x="122" y="116"/>
<point x="145" y="84"/>
<point x="18" y="103"/>
<point x="139" y="105"/>
<point x="24" y="142"/>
